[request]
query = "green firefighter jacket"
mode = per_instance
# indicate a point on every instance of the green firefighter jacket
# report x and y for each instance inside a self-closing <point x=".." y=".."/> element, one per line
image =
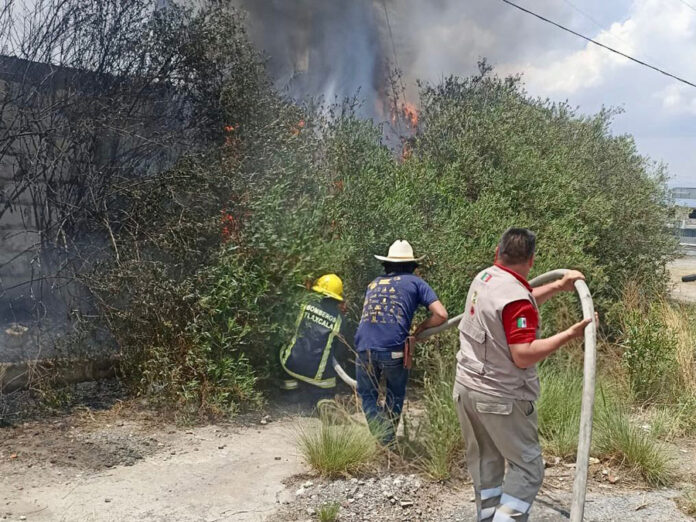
<point x="308" y="355"/>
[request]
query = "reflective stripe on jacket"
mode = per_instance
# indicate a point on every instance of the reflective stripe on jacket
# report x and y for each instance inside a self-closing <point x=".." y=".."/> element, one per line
<point x="308" y="355"/>
<point x="484" y="362"/>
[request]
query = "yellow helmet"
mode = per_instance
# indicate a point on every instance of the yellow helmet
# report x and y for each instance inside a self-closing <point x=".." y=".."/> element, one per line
<point x="330" y="285"/>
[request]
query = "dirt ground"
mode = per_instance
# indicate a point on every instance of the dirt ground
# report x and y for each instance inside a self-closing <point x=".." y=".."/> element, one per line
<point x="106" y="466"/>
<point x="119" y="465"/>
<point x="678" y="268"/>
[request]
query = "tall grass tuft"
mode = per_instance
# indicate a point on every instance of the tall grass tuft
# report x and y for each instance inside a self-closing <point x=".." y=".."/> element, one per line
<point x="559" y="409"/>
<point x="335" y="448"/>
<point x="329" y="512"/>
<point x="615" y="437"/>
<point x="629" y="445"/>
<point x="439" y="432"/>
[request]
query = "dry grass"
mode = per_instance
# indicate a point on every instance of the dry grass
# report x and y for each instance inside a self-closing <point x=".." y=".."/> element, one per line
<point x="439" y="434"/>
<point x="631" y="298"/>
<point x="687" y="501"/>
<point x="657" y="344"/>
<point x="675" y="415"/>
<point x="681" y="321"/>
<point x="673" y="421"/>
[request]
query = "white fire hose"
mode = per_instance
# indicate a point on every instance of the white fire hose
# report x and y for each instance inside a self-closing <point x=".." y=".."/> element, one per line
<point x="577" y="507"/>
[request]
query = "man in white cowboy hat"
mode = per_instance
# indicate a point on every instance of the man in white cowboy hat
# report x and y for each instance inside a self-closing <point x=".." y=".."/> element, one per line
<point x="390" y="303"/>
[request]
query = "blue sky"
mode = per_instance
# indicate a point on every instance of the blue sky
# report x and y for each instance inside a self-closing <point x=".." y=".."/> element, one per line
<point x="658" y="111"/>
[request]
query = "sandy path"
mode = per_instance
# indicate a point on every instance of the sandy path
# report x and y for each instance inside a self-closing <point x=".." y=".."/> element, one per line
<point x="208" y="473"/>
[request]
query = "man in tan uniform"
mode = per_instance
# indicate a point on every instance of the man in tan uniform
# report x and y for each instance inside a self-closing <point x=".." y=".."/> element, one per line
<point x="497" y="383"/>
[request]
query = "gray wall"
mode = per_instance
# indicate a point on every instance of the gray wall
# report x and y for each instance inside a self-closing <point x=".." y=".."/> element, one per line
<point x="42" y="161"/>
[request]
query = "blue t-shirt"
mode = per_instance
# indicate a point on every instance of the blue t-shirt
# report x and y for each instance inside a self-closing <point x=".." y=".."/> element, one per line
<point x="390" y="303"/>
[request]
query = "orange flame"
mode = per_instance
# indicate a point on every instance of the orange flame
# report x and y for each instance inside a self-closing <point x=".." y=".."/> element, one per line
<point x="410" y="113"/>
<point x="406" y="150"/>
<point x="298" y="128"/>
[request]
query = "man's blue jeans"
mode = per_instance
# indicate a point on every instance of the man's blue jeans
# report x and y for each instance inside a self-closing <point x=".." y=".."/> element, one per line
<point x="370" y="366"/>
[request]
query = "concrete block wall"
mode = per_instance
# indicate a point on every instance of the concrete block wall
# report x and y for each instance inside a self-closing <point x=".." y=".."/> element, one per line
<point x="30" y="294"/>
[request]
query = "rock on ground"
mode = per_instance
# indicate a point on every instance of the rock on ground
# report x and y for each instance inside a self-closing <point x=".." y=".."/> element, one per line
<point x="408" y="498"/>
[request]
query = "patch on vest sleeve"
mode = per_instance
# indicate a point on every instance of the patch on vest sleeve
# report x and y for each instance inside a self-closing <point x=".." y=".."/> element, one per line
<point x="474" y="298"/>
<point x="485" y="277"/>
<point x="521" y="322"/>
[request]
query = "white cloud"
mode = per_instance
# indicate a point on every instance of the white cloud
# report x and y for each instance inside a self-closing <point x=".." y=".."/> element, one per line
<point x="660" y="111"/>
<point x="677" y="98"/>
<point x="580" y="70"/>
<point x="660" y="32"/>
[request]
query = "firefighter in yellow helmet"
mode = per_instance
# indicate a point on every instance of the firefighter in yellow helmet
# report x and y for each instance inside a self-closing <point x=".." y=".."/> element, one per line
<point x="308" y="356"/>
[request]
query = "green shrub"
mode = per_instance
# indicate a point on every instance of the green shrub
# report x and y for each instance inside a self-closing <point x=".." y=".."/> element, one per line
<point x="509" y="159"/>
<point x="302" y="193"/>
<point x="649" y="354"/>
<point x="199" y="358"/>
<point x="336" y="448"/>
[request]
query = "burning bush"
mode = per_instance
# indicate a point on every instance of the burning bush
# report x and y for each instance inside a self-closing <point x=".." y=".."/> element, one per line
<point x="326" y="195"/>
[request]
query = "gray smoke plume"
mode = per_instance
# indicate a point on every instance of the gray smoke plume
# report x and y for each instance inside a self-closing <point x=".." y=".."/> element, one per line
<point x="340" y="48"/>
<point x="322" y="48"/>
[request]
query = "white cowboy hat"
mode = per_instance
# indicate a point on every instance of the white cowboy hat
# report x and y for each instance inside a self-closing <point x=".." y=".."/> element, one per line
<point x="400" y="252"/>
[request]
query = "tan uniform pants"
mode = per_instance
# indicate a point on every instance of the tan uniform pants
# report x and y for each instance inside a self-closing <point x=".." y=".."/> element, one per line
<point x="499" y="431"/>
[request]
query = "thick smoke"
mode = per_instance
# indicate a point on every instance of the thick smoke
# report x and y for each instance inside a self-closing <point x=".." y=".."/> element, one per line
<point x="321" y="48"/>
<point x="340" y="48"/>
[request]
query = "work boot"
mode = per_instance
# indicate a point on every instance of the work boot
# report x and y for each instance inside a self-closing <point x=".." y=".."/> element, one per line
<point x="289" y="384"/>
